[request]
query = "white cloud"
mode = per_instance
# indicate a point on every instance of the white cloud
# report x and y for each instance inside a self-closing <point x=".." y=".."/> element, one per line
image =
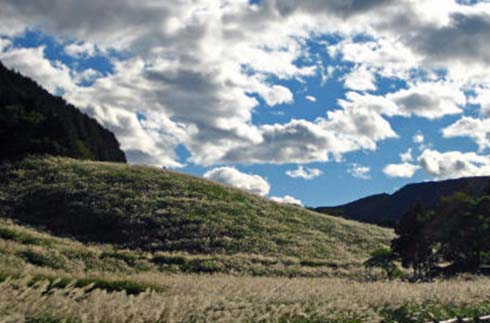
<point x="406" y="156"/>
<point x="482" y="98"/>
<point x="301" y="141"/>
<point x="360" y="79"/>
<point x="88" y="75"/>
<point x="287" y="200"/>
<point x="233" y="177"/>
<point x="310" y="98"/>
<point x="476" y="129"/>
<point x="406" y="170"/>
<point x="418" y="138"/>
<point x="78" y="50"/>
<point x="427" y="100"/>
<point x="304" y="173"/>
<point x="277" y="94"/>
<point x="454" y="164"/>
<point x="387" y="56"/>
<point x="31" y="62"/>
<point x="359" y="171"/>
<point x="192" y="69"/>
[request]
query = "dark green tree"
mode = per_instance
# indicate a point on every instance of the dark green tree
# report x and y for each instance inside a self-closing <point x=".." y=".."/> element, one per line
<point x="413" y="244"/>
<point x="463" y="232"/>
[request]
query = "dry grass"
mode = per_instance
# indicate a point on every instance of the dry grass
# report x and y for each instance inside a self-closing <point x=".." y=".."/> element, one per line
<point x="154" y="210"/>
<point x="198" y="298"/>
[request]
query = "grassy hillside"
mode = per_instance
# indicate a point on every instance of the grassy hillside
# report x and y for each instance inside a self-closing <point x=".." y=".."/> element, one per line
<point x="49" y="279"/>
<point x="161" y="211"/>
<point x="24" y="249"/>
<point x="45" y="278"/>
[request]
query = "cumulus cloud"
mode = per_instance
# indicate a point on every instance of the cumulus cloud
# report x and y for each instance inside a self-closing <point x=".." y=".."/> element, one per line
<point x="80" y="50"/>
<point x="454" y="164"/>
<point x="482" y="99"/>
<point x="287" y="199"/>
<point x="301" y="141"/>
<point x="304" y="173"/>
<point x="476" y="129"/>
<point x="192" y="71"/>
<point x="359" y="171"/>
<point x="360" y="79"/>
<point x="406" y="170"/>
<point x="233" y="177"/>
<point x="427" y="100"/>
<point x="31" y="61"/>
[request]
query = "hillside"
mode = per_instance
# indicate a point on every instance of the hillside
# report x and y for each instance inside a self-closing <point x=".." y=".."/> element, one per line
<point x="32" y="121"/>
<point x="386" y="209"/>
<point x="157" y="210"/>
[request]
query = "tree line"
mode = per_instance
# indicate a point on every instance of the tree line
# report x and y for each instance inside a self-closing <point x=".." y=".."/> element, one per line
<point x="452" y="238"/>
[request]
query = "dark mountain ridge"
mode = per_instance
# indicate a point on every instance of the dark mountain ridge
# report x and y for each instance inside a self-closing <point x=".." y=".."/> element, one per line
<point x="387" y="209"/>
<point x="33" y="121"/>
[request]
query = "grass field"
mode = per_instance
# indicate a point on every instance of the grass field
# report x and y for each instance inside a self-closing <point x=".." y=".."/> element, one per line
<point x="146" y="245"/>
<point x="203" y="298"/>
<point x="155" y="210"/>
<point x="48" y="279"/>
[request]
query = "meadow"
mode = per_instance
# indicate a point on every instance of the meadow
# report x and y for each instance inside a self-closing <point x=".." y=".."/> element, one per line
<point x="100" y="242"/>
<point x="205" y="298"/>
<point x="47" y="279"/>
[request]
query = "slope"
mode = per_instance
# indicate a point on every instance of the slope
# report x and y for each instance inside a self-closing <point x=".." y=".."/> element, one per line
<point x="156" y="210"/>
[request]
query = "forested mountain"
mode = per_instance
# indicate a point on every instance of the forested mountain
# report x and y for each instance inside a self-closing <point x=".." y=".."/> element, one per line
<point x="32" y="121"/>
<point x="387" y="209"/>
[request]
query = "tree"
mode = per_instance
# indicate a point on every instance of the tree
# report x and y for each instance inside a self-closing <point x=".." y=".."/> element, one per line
<point x="413" y="244"/>
<point x="464" y="231"/>
<point x="452" y="238"/>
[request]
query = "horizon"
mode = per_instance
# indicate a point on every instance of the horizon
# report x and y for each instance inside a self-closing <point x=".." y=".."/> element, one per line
<point x="317" y="103"/>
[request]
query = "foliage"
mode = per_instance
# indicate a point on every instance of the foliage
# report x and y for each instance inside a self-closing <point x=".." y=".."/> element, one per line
<point x="453" y="238"/>
<point x="412" y="244"/>
<point x="32" y="121"/>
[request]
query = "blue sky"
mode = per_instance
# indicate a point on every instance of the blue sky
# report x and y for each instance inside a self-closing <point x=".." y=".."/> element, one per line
<point x="313" y="102"/>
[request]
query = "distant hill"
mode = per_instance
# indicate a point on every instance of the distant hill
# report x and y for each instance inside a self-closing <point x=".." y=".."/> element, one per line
<point x="32" y="121"/>
<point x="387" y="209"/>
<point x="143" y="208"/>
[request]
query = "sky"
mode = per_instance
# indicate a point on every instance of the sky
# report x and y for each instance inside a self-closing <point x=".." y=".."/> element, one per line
<point x="310" y="102"/>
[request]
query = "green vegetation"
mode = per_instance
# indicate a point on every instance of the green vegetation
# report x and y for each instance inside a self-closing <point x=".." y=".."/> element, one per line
<point x="453" y="238"/>
<point x="273" y="263"/>
<point x="45" y="256"/>
<point x="143" y="208"/>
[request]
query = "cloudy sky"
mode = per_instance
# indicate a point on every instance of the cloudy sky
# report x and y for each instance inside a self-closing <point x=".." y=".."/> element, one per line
<point x="310" y="101"/>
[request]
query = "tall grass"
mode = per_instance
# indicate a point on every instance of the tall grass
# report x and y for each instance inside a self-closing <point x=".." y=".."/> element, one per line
<point x="201" y="298"/>
<point x="155" y="210"/>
